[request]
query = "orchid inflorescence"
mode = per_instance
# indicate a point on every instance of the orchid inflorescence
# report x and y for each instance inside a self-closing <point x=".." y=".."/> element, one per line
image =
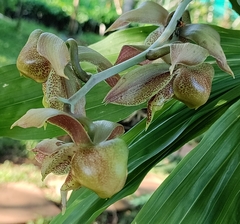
<point x="96" y="157"/>
<point x="176" y="69"/>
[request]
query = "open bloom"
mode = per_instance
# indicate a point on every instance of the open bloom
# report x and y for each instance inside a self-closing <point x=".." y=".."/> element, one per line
<point x="96" y="158"/>
<point x="43" y="53"/>
<point x="176" y="69"/>
<point x="44" y="59"/>
<point x="187" y="79"/>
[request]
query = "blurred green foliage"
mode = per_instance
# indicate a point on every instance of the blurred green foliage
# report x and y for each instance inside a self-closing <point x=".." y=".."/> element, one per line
<point x="12" y="149"/>
<point x="11" y="44"/>
<point x="102" y="11"/>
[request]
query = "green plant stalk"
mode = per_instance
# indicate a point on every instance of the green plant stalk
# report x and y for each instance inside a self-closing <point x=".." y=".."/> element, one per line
<point x="73" y="48"/>
<point x="101" y="76"/>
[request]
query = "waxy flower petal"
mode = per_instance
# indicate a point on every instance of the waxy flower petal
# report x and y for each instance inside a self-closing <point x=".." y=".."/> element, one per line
<point x="105" y="130"/>
<point x="192" y="85"/>
<point x="38" y="117"/>
<point x="57" y="86"/>
<point x="101" y="168"/>
<point x="157" y="101"/>
<point x="187" y="54"/>
<point x="154" y="35"/>
<point x="30" y="63"/>
<point x="139" y="85"/>
<point x="55" y="51"/>
<point x="129" y="51"/>
<point x="46" y="148"/>
<point x="59" y="161"/>
<point x="156" y="14"/>
<point x="208" y="38"/>
<point x="54" y="87"/>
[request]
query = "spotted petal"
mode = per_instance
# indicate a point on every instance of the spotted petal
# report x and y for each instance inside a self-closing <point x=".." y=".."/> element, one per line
<point x="157" y="101"/>
<point x="57" y="86"/>
<point x="30" y="63"/>
<point x="55" y="51"/>
<point x="139" y="85"/>
<point x="54" y="87"/>
<point x="46" y="148"/>
<point x="59" y="161"/>
<point x="38" y="117"/>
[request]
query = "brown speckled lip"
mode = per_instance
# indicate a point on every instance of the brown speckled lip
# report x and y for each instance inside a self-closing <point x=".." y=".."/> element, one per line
<point x="72" y="127"/>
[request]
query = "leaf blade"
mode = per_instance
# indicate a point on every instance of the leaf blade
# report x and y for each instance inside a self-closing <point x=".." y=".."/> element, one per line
<point x="191" y="182"/>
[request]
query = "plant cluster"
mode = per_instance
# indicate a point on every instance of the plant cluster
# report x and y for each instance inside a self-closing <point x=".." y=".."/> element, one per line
<point x="170" y="64"/>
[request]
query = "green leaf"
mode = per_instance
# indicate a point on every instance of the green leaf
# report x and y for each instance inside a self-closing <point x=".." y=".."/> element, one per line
<point x="18" y="95"/>
<point x="204" y="187"/>
<point x="112" y="45"/>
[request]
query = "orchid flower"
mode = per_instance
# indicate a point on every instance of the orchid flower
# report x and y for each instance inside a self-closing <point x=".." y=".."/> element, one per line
<point x="49" y="60"/>
<point x="177" y="69"/>
<point x="96" y="158"/>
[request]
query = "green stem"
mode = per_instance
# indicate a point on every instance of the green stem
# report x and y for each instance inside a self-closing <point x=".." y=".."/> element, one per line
<point x="73" y="48"/>
<point x="95" y="79"/>
<point x="171" y="25"/>
<point x="158" y="52"/>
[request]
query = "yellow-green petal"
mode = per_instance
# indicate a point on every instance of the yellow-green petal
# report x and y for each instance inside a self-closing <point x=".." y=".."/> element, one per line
<point x="30" y="63"/>
<point x="55" y="51"/>
<point x="192" y="85"/>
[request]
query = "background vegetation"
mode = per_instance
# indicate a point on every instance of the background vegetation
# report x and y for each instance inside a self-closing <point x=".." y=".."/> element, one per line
<point x="20" y="18"/>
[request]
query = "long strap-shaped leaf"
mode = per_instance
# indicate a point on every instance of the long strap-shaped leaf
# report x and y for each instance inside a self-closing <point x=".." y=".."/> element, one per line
<point x="171" y="130"/>
<point x="204" y="188"/>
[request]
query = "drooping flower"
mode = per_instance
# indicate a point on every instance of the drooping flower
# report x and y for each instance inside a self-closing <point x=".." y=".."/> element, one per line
<point x="201" y="34"/>
<point x="49" y="60"/>
<point x="96" y="158"/>
<point x="38" y="57"/>
<point x="187" y="79"/>
<point x="182" y="74"/>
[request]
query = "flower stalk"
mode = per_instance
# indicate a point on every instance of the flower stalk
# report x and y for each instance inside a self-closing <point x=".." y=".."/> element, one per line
<point x="101" y="76"/>
<point x="73" y="49"/>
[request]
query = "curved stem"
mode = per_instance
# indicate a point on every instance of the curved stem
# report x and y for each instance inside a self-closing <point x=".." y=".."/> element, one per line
<point x="95" y="79"/>
<point x="158" y="52"/>
<point x="73" y="48"/>
<point x="172" y="24"/>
